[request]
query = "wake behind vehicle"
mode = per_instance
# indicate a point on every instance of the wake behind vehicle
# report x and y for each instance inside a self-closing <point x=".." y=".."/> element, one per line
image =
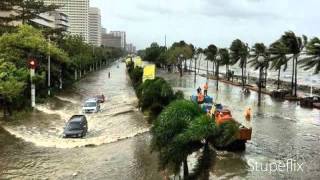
<point x="91" y="106"/>
<point x="77" y="126"/>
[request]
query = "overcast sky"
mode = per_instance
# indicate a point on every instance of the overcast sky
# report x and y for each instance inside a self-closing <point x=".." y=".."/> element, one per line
<point x="204" y="22"/>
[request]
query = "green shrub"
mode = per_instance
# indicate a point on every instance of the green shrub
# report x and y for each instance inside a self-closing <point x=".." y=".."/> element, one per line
<point x="156" y="91"/>
<point x="136" y="76"/>
<point x="130" y="66"/>
<point x="173" y="120"/>
<point x="179" y="95"/>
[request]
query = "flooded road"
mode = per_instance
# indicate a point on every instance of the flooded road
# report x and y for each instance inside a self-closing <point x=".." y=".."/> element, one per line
<point x="117" y="144"/>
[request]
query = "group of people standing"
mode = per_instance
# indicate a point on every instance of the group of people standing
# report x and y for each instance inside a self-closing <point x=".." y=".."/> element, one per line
<point x="201" y="95"/>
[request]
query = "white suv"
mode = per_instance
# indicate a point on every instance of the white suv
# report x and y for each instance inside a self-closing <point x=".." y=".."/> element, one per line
<point x="91" y="106"/>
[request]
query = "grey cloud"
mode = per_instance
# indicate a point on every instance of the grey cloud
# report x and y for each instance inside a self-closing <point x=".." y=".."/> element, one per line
<point x="238" y="9"/>
<point x="132" y="18"/>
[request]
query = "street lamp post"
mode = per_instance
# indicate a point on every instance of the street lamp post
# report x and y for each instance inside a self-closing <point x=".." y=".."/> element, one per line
<point x="260" y="61"/>
<point x="218" y="58"/>
<point x="32" y="66"/>
<point x="49" y="70"/>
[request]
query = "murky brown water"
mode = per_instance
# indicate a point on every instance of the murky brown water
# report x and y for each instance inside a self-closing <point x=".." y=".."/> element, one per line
<point x="119" y="140"/>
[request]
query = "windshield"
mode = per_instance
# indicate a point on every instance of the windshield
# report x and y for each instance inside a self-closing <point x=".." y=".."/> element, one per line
<point x="74" y="126"/>
<point x="90" y="104"/>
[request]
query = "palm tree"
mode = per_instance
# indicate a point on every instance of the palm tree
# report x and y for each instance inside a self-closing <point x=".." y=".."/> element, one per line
<point x="239" y="53"/>
<point x="278" y="58"/>
<point x="225" y="59"/>
<point x="198" y="54"/>
<point x="259" y="60"/>
<point x="295" y="46"/>
<point x="182" y="129"/>
<point x="313" y="53"/>
<point x="211" y="53"/>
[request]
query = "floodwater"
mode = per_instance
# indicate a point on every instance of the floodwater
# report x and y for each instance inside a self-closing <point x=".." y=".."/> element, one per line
<point x="117" y="144"/>
<point x="282" y="132"/>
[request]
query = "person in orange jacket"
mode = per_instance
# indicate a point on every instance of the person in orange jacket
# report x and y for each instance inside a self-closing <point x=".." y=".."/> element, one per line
<point x="200" y="98"/>
<point x="205" y="87"/>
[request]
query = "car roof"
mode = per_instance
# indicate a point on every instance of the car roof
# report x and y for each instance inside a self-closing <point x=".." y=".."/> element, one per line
<point x="91" y="100"/>
<point x="77" y="118"/>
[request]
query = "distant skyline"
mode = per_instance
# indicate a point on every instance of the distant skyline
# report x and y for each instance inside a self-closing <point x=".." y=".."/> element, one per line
<point x="204" y="22"/>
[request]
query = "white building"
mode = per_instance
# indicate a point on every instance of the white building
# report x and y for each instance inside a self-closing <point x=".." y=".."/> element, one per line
<point x="53" y="19"/>
<point x="121" y="34"/>
<point x="61" y="20"/>
<point x="130" y="48"/>
<point x="94" y="26"/>
<point x="78" y="13"/>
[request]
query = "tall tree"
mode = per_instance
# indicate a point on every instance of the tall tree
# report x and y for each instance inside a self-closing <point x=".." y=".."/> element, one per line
<point x="313" y="56"/>
<point x="211" y="52"/>
<point x="278" y="58"/>
<point x="154" y="54"/>
<point x="259" y="49"/>
<point x="239" y="53"/>
<point x="295" y="46"/>
<point x="225" y="59"/>
<point x="179" y="53"/>
<point x="31" y="9"/>
<point x="12" y="83"/>
<point x="198" y="54"/>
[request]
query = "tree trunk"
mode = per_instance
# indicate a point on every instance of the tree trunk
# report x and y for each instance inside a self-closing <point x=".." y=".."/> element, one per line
<point x="199" y="63"/>
<point x="195" y="70"/>
<point x="180" y="69"/>
<point x="296" y="77"/>
<point x="75" y="74"/>
<point x="207" y="68"/>
<point x="242" y="78"/>
<point x="185" y="65"/>
<point x="278" y="85"/>
<point x="265" y="77"/>
<point x="185" y="169"/>
<point x="217" y="75"/>
<point x="260" y="84"/>
<point x="292" y="78"/>
<point x="227" y="76"/>
<point x="213" y="68"/>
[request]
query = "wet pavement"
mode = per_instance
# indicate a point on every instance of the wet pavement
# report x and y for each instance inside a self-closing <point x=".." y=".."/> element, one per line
<point x="117" y="145"/>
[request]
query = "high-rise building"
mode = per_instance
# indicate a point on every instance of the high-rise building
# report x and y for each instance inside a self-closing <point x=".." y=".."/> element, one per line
<point x="109" y="40"/>
<point x="121" y="34"/>
<point x="130" y="48"/>
<point x="61" y="20"/>
<point x="94" y="26"/>
<point x="78" y="13"/>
